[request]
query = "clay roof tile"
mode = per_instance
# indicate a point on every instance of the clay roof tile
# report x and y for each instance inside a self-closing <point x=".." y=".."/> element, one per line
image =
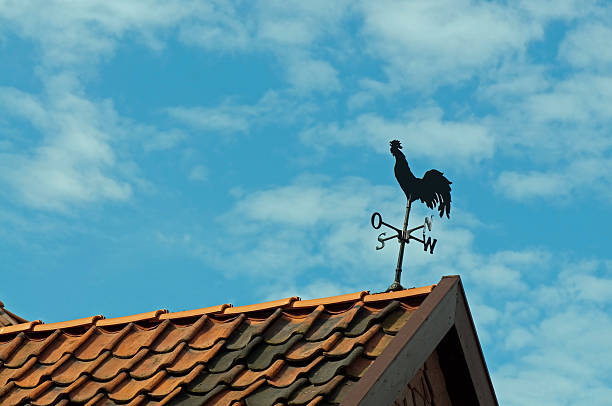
<point x="262" y="306"/>
<point x="154" y="315"/>
<point x="286" y="351"/>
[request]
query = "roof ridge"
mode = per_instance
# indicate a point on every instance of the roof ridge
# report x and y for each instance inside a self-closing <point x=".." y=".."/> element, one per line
<point x="293" y="302"/>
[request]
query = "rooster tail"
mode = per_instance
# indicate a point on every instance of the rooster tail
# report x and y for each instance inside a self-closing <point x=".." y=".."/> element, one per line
<point x="436" y="192"/>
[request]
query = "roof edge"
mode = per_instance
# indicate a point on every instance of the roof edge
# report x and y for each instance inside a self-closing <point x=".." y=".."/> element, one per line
<point x="472" y="351"/>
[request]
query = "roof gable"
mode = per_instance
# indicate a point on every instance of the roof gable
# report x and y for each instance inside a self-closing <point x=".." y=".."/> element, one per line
<point x="443" y="324"/>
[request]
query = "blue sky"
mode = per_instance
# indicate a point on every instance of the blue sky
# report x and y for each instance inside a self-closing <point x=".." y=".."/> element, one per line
<point x="182" y="154"/>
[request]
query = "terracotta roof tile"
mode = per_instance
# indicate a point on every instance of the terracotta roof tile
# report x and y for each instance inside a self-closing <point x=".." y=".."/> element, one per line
<point x="262" y="306"/>
<point x="197" y="312"/>
<point x="286" y="352"/>
<point x="400" y="294"/>
<point x="350" y="297"/>
<point x="290" y="372"/>
<point x="67" y="324"/>
<point x="133" y="318"/>
<point x="19" y="327"/>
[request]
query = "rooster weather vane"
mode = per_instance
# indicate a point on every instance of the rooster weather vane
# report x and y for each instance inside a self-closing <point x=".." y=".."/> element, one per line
<point x="433" y="190"/>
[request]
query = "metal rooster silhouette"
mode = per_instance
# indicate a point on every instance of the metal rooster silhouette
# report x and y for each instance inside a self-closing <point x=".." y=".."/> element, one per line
<point x="433" y="189"/>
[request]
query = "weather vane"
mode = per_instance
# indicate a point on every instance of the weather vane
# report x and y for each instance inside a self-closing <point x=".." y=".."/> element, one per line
<point x="433" y="190"/>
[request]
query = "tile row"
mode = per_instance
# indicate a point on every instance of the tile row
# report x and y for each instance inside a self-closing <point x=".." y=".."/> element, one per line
<point x="292" y="355"/>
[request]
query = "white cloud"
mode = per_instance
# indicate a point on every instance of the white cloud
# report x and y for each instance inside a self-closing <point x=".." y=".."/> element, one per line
<point x="232" y="117"/>
<point x="290" y="30"/>
<point x="156" y="140"/>
<point x="562" y="340"/>
<point x="587" y="47"/>
<point x="83" y="34"/>
<point x="545" y="10"/>
<point x="307" y="74"/>
<point x="534" y="185"/>
<point x="582" y="99"/>
<point x="219" y="119"/>
<point x="589" y="174"/>
<point x="423" y="133"/>
<point x="216" y="26"/>
<point x="316" y="223"/>
<point x="79" y="33"/>
<point x="438" y="42"/>
<point x="558" y="130"/>
<point x="75" y="162"/>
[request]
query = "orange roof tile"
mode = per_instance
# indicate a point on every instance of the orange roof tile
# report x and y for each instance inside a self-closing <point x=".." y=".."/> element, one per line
<point x="282" y="352"/>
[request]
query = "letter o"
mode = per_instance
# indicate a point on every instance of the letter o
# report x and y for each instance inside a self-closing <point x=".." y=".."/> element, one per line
<point x="376" y="218"/>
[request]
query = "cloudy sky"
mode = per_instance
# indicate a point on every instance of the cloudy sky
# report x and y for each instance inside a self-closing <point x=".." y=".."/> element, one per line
<point x="182" y="154"/>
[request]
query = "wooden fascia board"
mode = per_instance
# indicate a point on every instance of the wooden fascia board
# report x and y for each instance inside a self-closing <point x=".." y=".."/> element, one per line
<point x="388" y="376"/>
<point x="472" y="351"/>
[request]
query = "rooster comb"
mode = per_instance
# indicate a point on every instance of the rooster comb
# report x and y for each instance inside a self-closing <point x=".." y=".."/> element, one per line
<point x="395" y="144"/>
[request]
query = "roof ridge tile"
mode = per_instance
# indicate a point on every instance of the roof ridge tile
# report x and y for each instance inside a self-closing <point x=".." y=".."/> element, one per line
<point x="19" y="327"/>
<point x="376" y="297"/>
<point x="153" y="315"/>
<point x="262" y="306"/>
<point x="346" y="298"/>
<point x="196" y="312"/>
<point x="67" y="324"/>
<point x="293" y="302"/>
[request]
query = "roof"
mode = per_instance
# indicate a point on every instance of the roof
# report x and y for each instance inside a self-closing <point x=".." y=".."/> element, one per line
<point x="290" y="351"/>
<point x="8" y="318"/>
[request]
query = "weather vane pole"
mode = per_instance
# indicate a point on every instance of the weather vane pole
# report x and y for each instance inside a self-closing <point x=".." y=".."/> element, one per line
<point x="433" y="190"/>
